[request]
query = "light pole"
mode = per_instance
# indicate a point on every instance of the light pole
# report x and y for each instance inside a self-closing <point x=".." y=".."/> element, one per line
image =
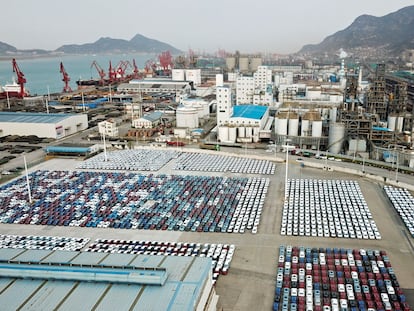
<point x="363" y="164"/>
<point x="396" y="170"/>
<point x="286" y="172"/>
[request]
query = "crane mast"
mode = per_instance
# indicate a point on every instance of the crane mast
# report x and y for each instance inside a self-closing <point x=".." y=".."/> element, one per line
<point x="65" y="79"/>
<point x="21" y="80"/>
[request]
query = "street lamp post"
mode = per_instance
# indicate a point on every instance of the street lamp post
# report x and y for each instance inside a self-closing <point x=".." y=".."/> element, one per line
<point x="396" y="170"/>
<point x="287" y="163"/>
<point x="363" y="164"/>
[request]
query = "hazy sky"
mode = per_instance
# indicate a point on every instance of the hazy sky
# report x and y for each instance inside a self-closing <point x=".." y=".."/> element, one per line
<point x="247" y="26"/>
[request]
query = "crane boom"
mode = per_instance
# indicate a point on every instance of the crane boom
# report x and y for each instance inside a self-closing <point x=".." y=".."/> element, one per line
<point x="65" y="79"/>
<point x="100" y="71"/>
<point x="21" y="80"/>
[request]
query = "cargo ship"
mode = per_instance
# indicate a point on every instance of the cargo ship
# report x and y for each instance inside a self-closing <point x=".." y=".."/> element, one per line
<point x="12" y="90"/>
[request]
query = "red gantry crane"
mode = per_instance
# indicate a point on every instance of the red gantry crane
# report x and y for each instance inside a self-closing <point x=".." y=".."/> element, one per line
<point x="21" y="80"/>
<point x="166" y="63"/>
<point x="101" y="72"/>
<point x="65" y="79"/>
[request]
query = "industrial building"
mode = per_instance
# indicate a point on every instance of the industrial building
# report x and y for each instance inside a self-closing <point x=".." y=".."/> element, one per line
<point x="148" y="121"/>
<point x="240" y="123"/>
<point x="160" y="86"/>
<point x="108" y="128"/>
<point x="50" y="125"/>
<point x="73" y="280"/>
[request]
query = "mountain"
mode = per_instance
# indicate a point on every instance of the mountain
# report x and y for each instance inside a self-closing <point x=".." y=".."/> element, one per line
<point x="385" y="36"/>
<point x="137" y="44"/>
<point x="7" y="48"/>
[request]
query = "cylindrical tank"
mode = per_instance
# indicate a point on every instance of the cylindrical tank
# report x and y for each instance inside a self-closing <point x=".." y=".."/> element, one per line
<point x="282" y="126"/>
<point x="256" y="134"/>
<point x="293" y="127"/>
<point x="243" y="64"/>
<point x="178" y="75"/>
<point x="219" y="79"/>
<point x="392" y="122"/>
<point x="232" y="134"/>
<point x="249" y="132"/>
<point x="255" y="62"/>
<point x="399" y="125"/>
<point x="305" y="128"/>
<point x="187" y="117"/>
<point x="231" y="63"/>
<point x="316" y="128"/>
<point x="332" y="114"/>
<point x="223" y="133"/>
<point x="241" y="132"/>
<point x="336" y="137"/>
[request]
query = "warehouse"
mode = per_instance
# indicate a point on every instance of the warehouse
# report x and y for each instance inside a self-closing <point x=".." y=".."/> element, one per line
<point x="51" y="125"/>
<point x="73" y="280"/>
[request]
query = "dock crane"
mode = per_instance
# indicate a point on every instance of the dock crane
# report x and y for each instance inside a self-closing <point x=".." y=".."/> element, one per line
<point x="65" y="79"/>
<point x="136" y="70"/>
<point x="100" y="71"/>
<point x="21" y="80"/>
<point x="112" y="73"/>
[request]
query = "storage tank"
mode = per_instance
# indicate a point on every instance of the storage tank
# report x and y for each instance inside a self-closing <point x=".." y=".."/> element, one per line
<point x="282" y="126"/>
<point x="223" y="133"/>
<point x="249" y="132"/>
<point x="178" y="75"/>
<point x="231" y="63"/>
<point x="255" y="62"/>
<point x="399" y="125"/>
<point x="336" y="137"/>
<point x="187" y="117"/>
<point x="316" y="128"/>
<point x="243" y="64"/>
<point x="256" y="134"/>
<point x="293" y="126"/>
<point x="232" y="134"/>
<point x="305" y="128"/>
<point x="241" y="132"/>
<point x="392" y="122"/>
<point x="332" y="114"/>
<point x="219" y="80"/>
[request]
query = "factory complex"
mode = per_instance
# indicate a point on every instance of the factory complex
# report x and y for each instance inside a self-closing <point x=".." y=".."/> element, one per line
<point x="253" y="185"/>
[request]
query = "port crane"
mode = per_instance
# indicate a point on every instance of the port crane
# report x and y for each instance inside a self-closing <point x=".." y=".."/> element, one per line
<point x="100" y="71"/>
<point x="165" y="59"/>
<point x="21" y="80"/>
<point x="136" y="70"/>
<point x="65" y="79"/>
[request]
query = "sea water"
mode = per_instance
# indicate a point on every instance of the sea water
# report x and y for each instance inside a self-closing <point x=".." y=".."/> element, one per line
<point x="43" y="73"/>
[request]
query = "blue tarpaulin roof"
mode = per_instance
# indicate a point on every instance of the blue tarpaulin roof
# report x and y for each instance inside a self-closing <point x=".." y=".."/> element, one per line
<point x="66" y="149"/>
<point x="249" y="111"/>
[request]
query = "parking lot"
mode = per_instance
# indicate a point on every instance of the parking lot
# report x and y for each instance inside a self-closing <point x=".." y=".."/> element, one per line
<point x="250" y="283"/>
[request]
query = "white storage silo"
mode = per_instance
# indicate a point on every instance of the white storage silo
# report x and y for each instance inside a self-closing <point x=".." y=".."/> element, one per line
<point x="332" y="114"/>
<point x="256" y="134"/>
<point x="249" y="132"/>
<point x="392" y="122"/>
<point x="231" y="63"/>
<point x="241" y="132"/>
<point x="243" y="64"/>
<point x="399" y="125"/>
<point x="187" y="117"/>
<point x="232" y="134"/>
<point x="219" y="80"/>
<point x="305" y="128"/>
<point x="336" y="137"/>
<point x="223" y="133"/>
<point x="316" y="128"/>
<point x="293" y="126"/>
<point x="178" y="75"/>
<point x="282" y="126"/>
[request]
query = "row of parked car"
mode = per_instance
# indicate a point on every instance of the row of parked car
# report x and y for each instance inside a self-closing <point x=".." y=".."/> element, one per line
<point x="327" y="208"/>
<point x="403" y="202"/>
<point x="333" y="279"/>
<point x="220" y="163"/>
<point x="130" y="160"/>
<point x="42" y="242"/>
<point x="134" y="201"/>
<point x="221" y="254"/>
